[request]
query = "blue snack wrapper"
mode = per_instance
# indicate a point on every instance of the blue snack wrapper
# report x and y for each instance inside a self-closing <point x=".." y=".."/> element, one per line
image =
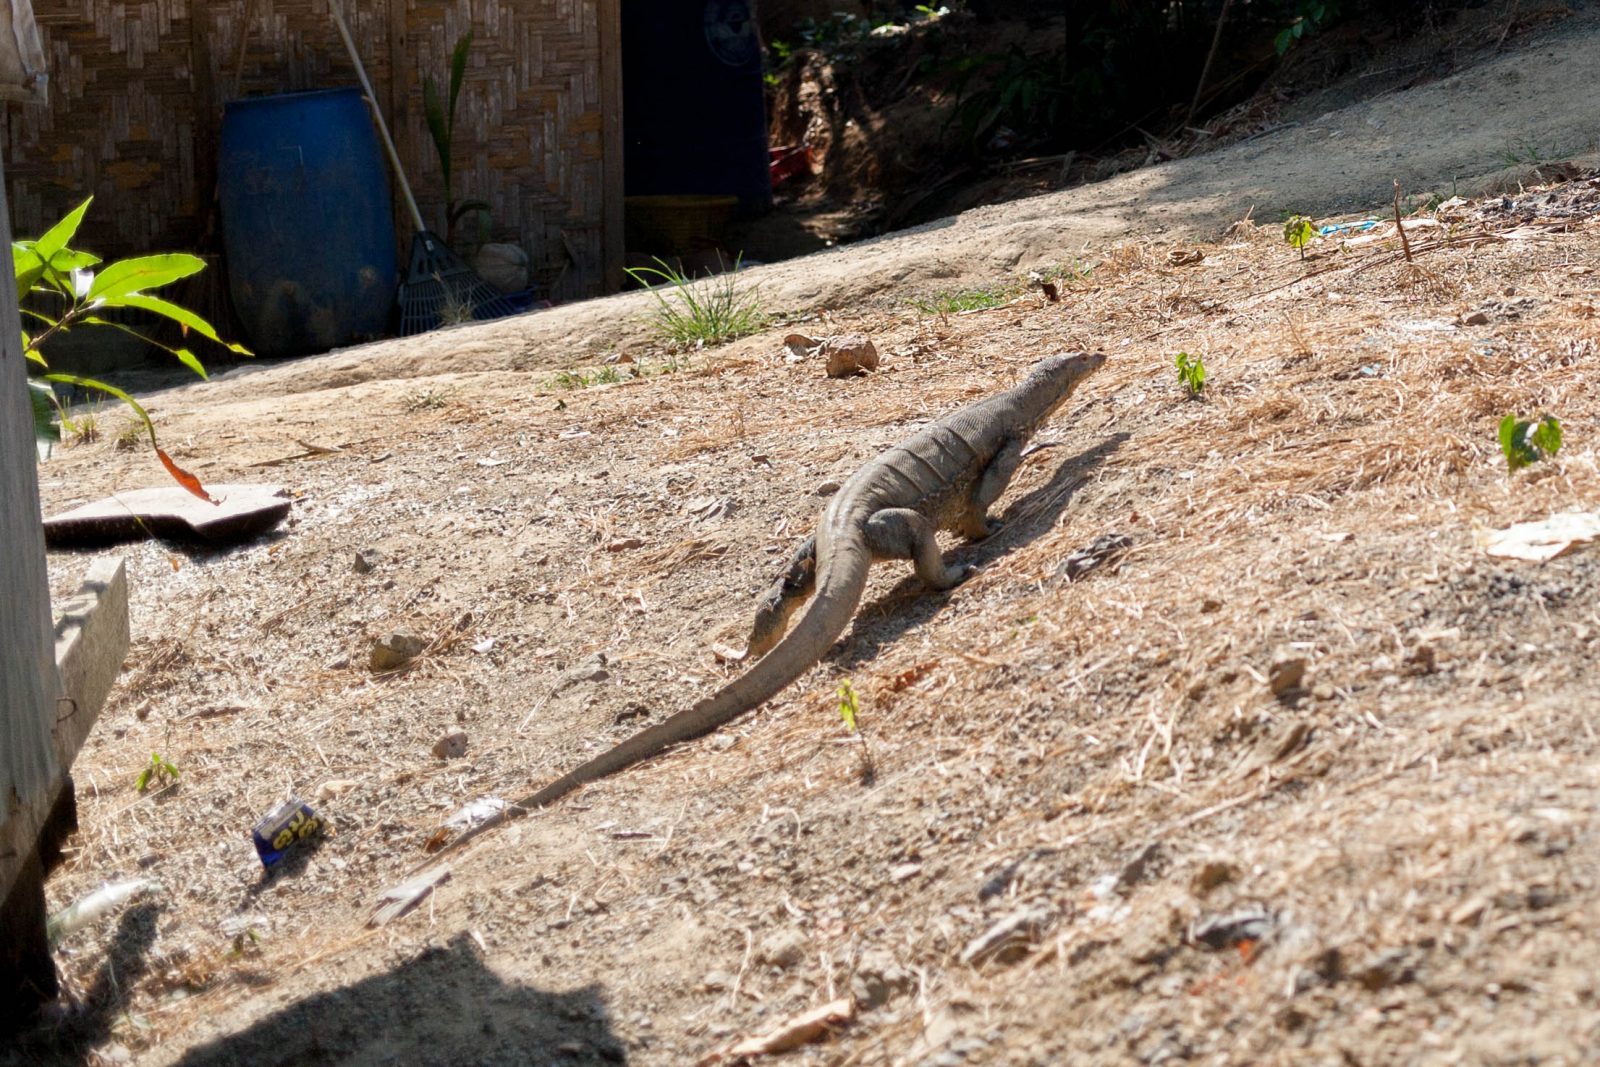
<point x="285" y="826"/>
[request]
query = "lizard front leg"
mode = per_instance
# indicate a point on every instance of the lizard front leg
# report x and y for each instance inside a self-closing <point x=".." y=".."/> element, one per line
<point x="975" y="522"/>
<point x="902" y="533"/>
<point x="783" y="598"/>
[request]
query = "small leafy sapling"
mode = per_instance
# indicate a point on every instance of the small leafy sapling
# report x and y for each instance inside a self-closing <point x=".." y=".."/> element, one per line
<point x="849" y="710"/>
<point x="439" y="111"/>
<point x="160" y="772"/>
<point x="1298" y="232"/>
<point x="1309" y="17"/>
<point x="847" y="706"/>
<point x="1191" y="374"/>
<point x="69" y="288"/>
<point x="1523" y="441"/>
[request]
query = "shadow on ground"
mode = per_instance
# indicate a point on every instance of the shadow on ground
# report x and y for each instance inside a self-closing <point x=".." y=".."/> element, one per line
<point x="71" y="1030"/>
<point x="442" y="1007"/>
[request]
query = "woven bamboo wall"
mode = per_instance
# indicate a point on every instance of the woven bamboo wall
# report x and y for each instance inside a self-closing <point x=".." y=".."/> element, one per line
<point x="137" y="91"/>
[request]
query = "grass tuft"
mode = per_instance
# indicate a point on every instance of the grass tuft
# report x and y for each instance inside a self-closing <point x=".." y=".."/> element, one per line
<point x="706" y="312"/>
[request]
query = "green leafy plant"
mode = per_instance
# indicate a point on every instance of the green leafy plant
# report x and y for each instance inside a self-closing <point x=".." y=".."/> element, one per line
<point x="440" y="113"/>
<point x="1523" y="442"/>
<point x="245" y="942"/>
<point x="1191" y="373"/>
<point x="706" y="312"/>
<point x="571" y="379"/>
<point x="1298" y="232"/>
<point x="850" y="712"/>
<point x="848" y="708"/>
<point x="1021" y="91"/>
<point x="72" y="288"/>
<point x="834" y="36"/>
<point x="160" y="772"/>
<point x="1309" y="17"/>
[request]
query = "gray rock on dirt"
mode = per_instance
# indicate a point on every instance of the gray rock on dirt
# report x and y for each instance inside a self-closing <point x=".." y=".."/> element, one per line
<point x="1286" y="675"/>
<point x="783" y="948"/>
<point x="849" y="354"/>
<point x="1007" y="940"/>
<point x="878" y="979"/>
<point x="592" y="670"/>
<point x="395" y="650"/>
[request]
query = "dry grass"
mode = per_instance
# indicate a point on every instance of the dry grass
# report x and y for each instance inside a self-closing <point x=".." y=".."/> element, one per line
<point x="1029" y="733"/>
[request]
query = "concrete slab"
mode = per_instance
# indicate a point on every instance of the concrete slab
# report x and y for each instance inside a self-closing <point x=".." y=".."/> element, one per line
<point x="244" y="512"/>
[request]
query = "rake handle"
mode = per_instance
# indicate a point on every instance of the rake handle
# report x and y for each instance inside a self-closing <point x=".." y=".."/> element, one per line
<point x="377" y="115"/>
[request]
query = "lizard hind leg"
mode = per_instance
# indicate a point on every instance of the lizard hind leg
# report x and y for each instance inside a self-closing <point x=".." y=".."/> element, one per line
<point x="782" y="599"/>
<point x="902" y="533"/>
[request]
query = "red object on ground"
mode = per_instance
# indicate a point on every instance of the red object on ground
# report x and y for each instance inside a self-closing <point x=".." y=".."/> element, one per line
<point x="784" y="163"/>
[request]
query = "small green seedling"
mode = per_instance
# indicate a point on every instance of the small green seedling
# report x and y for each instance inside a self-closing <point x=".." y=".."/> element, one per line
<point x="571" y="379"/>
<point x="1191" y="374"/>
<point x="1298" y="232"/>
<point x="849" y="710"/>
<point x="847" y="705"/>
<point x="1523" y="442"/>
<point x="161" y="772"/>
<point x="246" y="941"/>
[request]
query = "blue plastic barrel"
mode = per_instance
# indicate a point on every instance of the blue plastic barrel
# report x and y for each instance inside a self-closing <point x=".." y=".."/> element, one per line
<point x="307" y="225"/>
<point x="694" y="117"/>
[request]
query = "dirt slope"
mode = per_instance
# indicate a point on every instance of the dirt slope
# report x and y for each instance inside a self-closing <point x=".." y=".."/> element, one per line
<point x="1394" y="861"/>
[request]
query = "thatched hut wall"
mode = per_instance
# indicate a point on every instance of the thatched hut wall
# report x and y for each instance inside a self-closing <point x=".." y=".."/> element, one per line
<point x="137" y="93"/>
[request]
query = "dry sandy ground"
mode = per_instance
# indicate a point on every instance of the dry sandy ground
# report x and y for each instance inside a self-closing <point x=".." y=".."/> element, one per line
<point x="1393" y="863"/>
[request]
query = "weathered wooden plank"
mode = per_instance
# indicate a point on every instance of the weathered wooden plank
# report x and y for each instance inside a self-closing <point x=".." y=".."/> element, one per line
<point x="91" y="640"/>
<point x="29" y="773"/>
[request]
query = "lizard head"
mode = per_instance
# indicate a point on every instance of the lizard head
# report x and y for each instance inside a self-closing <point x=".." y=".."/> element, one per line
<point x="1053" y="378"/>
<point x="1067" y="369"/>
<point x="1048" y="385"/>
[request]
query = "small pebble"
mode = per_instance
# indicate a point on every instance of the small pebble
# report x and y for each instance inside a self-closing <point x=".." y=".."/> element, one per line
<point x="452" y="745"/>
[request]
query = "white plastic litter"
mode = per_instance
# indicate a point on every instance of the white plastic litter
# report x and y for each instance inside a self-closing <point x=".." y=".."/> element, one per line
<point x="1543" y="540"/>
<point x="96" y="906"/>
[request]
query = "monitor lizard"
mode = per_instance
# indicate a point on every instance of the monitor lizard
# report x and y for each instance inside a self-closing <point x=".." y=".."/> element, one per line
<point x="943" y="477"/>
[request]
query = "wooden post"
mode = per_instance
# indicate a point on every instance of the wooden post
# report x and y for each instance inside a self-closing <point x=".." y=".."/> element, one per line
<point x="31" y="779"/>
<point x="611" y="184"/>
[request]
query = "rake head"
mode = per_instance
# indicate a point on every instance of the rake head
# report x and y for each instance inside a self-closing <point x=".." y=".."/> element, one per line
<point x="441" y="290"/>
